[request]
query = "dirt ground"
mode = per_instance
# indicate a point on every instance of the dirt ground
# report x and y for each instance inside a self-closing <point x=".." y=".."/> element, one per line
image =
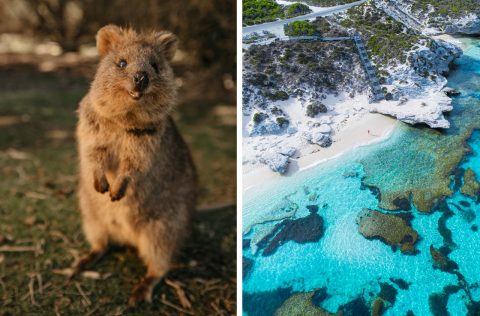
<point x="40" y="231"/>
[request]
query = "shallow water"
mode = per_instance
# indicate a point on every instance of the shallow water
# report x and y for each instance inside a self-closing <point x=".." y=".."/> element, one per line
<point x="414" y="163"/>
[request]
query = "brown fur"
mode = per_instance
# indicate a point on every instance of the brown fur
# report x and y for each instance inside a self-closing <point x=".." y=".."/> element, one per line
<point x="131" y="148"/>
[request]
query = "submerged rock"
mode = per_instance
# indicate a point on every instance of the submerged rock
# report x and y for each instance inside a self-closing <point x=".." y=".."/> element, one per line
<point x="470" y="186"/>
<point x="303" y="230"/>
<point x="357" y="307"/>
<point x="301" y="305"/>
<point x="389" y="228"/>
<point x="265" y="303"/>
<point x="247" y="266"/>
<point x="450" y="92"/>
<point x="441" y="261"/>
<point x="378" y="307"/>
<point x="401" y="283"/>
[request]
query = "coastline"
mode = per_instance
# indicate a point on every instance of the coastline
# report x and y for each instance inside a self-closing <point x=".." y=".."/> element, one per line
<point x="366" y="129"/>
<point x="353" y="136"/>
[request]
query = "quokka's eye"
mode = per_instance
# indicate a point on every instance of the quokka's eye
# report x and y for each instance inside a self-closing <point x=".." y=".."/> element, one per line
<point x="155" y="67"/>
<point x="122" y="63"/>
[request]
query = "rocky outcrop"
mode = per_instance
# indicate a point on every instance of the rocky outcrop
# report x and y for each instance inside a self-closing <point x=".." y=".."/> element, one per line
<point x="470" y="186"/>
<point x="468" y="25"/>
<point x="434" y="59"/>
<point x="425" y="68"/>
<point x="319" y="137"/>
<point x="429" y="112"/>
<point x="278" y="160"/>
<point x="391" y="229"/>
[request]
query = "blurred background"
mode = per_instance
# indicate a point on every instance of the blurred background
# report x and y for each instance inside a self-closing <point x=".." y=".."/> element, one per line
<point x="47" y="60"/>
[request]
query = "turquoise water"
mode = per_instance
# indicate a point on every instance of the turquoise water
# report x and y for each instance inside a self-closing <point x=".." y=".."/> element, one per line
<point x="414" y="163"/>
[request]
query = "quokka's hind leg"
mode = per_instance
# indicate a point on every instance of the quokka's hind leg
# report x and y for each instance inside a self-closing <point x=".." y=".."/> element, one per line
<point x="157" y="254"/>
<point x="97" y="237"/>
<point x="87" y="261"/>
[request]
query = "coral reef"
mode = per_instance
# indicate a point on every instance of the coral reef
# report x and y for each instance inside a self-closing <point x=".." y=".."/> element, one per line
<point x="391" y="229"/>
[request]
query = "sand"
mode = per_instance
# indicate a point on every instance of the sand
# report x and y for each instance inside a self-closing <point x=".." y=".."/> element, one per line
<point x="368" y="129"/>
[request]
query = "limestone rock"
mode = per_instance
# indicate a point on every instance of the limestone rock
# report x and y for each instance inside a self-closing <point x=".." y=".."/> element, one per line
<point x="391" y="229"/>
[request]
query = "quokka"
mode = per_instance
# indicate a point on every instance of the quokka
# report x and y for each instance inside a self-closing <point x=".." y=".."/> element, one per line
<point x="137" y="179"/>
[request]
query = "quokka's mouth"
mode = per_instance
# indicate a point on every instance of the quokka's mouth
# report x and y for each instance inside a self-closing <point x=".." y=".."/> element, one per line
<point x="136" y="95"/>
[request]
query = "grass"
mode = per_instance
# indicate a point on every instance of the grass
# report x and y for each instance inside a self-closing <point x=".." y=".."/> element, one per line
<point x="40" y="218"/>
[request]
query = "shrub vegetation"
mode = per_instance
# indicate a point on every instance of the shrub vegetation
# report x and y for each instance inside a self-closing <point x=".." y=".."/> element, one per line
<point x="300" y="28"/>
<point x="262" y="11"/>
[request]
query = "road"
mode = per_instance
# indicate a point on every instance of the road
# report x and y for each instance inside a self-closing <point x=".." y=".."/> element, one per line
<point x="280" y="23"/>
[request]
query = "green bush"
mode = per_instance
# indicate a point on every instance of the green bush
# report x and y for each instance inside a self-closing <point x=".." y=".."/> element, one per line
<point x="300" y="28"/>
<point x="296" y="9"/>
<point x="261" y="11"/>
<point x="278" y="96"/>
<point x="276" y="111"/>
<point x="314" y="108"/>
<point x="259" y="117"/>
<point x="282" y="122"/>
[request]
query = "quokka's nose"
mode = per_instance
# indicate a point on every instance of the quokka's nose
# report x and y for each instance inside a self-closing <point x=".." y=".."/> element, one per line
<point x="140" y="79"/>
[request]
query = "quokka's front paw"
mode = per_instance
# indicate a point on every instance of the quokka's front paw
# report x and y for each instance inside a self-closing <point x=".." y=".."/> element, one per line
<point x="119" y="188"/>
<point x="100" y="183"/>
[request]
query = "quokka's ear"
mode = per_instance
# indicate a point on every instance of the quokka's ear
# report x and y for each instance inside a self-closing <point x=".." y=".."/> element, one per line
<point x="108" y="37"/>
<point x="166" y="42"/>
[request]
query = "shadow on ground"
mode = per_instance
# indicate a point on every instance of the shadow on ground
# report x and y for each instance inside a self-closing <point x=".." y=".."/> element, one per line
<point x="40" y="230"/>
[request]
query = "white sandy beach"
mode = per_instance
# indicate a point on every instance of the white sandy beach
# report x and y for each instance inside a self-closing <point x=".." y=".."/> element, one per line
<point x="368" y="129"/>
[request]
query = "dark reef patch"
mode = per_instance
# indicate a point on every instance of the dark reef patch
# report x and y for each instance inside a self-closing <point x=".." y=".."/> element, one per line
<point x="473" y="309"/>
<point x="457" y="178"/>
<point x="401" y="283"/>
<point x="265" y="303"/>
<point x="247" y="266"/>
<point x="438" y="301"/>
<point x="312" y="208"/>
<point x="467" y="214"/>
<point x="357" y="307"/>
<point x="388" y="293"/>
<point x="464" y="203"/>
<point x="441" y="261"/>
<point x="444" y="231"/>
<point x="319" y="296"/>
<point x="373" y="189"/>
<point x="303" y="230"/>
<point x="402" y="203"/>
